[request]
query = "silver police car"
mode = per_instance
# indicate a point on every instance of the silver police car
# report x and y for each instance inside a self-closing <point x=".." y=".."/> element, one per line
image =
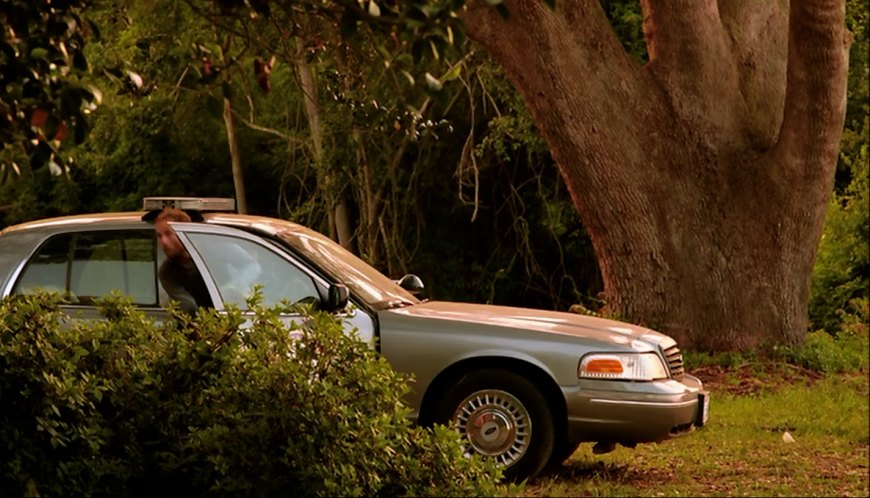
<point x="523" y="386"/>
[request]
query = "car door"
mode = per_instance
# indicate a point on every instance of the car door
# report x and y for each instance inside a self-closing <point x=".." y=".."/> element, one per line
<point x="233" y="261"/>
<point x="89" y="264"/>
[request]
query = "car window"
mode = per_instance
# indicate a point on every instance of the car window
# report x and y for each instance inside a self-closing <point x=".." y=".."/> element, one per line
<point x="236" y="265"/>
<point x="47" y="269"/>
<point x="372" y="286"/>
<point x="89" y="265"/>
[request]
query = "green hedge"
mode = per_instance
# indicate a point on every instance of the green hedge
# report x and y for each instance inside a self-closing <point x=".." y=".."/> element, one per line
<point x="847" y="349"/>
<point x="841" y="272"/>
<point x="214" y="405"/>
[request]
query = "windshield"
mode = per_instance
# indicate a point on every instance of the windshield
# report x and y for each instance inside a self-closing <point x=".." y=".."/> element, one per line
<point x="370" y="285"/>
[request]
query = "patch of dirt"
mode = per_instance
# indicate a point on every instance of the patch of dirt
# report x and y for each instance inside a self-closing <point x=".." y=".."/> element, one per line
<point x="753" y="377"/>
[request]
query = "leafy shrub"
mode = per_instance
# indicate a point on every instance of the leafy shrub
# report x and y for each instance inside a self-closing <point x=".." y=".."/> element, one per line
<point x="842" y="267"/>
<point x="846" y="350"/>
<point x="216" y="404"/>
<point x="726" y="359"/>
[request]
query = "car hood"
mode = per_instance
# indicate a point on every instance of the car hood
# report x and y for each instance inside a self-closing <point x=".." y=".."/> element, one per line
<point x="552" y="322"/>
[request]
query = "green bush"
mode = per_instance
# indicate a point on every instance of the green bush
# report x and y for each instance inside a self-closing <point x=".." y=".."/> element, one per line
<point x="212" y="405"/>
<point x="842" y="268"/>
<point x="848" y="349"/>
<point x="725" y="359"/>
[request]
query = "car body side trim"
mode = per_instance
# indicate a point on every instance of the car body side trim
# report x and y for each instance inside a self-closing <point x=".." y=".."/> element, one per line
<point x="643" y="403"/>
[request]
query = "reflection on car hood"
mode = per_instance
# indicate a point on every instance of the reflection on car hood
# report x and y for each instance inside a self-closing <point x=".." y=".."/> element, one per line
<point x="533" y="319"/>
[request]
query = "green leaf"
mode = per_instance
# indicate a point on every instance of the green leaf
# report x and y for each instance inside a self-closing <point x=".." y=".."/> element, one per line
<point x="135" y="79"/>
<point x="454" y="73"/>
<point x="433" y="83"/>
<point x="93" y="29"/>
<point x="418" y="14"/>
<point x="374" y="10"/>
<point x="409" y="77"/>
<point x="435" y="52"/>
<point x="39" y="53"/>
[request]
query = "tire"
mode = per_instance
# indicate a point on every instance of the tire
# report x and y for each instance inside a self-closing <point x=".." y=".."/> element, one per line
<point x="562" y="452"/>
<point x="501" y="415"/>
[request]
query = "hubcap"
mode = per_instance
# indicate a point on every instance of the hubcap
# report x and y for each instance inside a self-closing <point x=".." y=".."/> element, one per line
<point x="495" y="424"/>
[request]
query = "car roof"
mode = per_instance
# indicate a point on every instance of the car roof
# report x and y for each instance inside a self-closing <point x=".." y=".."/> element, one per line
<point x="76" y="220"/>
<point x="18" y="241"/>
<point x="261" y="223"/>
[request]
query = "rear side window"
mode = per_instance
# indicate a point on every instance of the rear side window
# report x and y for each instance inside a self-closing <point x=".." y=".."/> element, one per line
<point x="89" y="265"/>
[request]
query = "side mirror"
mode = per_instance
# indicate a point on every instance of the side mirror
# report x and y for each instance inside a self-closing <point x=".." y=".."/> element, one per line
<point x="336" y="298"/>
<point x="412" y="284"/>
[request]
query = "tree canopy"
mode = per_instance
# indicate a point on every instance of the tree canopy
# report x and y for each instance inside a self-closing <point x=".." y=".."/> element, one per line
<point x="382" y="122"/>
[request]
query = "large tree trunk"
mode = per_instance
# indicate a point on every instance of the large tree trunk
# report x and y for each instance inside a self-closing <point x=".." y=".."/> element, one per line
<point x="703" y="176"/>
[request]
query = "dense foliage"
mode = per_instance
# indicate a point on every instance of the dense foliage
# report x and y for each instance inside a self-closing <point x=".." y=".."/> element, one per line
<point x="45" y="91"/>
<point x="213" y="405"/>
<point x="842" y="271"/>
<point x="431" y="151"/>
<point x="841" y="277"/>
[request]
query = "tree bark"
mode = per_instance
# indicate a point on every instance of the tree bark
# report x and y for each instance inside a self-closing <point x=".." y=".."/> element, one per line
<point x="702" y="176"/>
<point x="340" y="226"/>
<point x="235" y="158"/>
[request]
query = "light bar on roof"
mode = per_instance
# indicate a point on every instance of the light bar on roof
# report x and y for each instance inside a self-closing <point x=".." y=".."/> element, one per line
<point x="190" y="203"/>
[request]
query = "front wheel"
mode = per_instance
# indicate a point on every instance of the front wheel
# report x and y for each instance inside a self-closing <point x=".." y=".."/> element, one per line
<point x="562" y="452"/>
<point x="501" y="415"/>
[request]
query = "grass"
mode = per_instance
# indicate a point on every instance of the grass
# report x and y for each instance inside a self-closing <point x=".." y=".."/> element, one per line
<point x="741" y="452"/>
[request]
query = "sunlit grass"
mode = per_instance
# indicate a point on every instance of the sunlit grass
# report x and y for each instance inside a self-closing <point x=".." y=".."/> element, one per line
<point x="741" y="452"/>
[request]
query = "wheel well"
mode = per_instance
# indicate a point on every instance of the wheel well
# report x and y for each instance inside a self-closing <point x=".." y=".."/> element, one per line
<point x="450" y="376"/>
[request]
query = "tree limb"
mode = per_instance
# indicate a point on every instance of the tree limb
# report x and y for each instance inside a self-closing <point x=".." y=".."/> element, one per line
<point x="758" y="33"/>
<point x="692" y="59"/>
<point x="687" y="33"/>
<point x="815" y="101"/>
<point x="568" y="61"/>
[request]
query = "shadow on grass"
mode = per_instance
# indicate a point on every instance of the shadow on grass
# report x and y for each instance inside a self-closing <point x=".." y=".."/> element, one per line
<point x="586" y="469"/>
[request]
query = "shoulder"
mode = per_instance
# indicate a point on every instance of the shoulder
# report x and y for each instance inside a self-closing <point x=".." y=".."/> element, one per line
<point x="167" y="268"/>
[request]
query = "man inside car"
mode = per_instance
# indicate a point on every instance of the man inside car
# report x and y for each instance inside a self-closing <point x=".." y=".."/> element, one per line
<point x="178" y="274"/>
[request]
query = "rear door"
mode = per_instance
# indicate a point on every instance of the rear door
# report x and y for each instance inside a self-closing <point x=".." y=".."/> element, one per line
<point x="87" y="265"/>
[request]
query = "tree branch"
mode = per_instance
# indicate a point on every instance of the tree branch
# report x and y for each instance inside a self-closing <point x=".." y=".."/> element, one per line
<point x="758" y="32"/>
<point x="815" y="101"/>
<point x="563" y="61"/>
<point x="692" y="59"/>
<point x="686" y="33"/>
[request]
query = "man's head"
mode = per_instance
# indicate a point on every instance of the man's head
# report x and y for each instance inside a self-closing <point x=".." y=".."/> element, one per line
<point x="166" y="236"/>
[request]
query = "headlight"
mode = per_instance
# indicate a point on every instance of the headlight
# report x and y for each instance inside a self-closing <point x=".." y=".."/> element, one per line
<point x="622" y="366"/>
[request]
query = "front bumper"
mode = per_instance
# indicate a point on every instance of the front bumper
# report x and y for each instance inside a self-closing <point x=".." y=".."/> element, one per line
<point x="634" y="412"/>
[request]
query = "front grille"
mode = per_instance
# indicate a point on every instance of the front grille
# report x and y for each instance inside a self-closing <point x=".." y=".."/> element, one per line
<point x="675" y="362"/>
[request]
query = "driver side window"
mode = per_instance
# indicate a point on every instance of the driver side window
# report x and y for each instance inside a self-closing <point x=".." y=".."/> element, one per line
<point x="236" y="265"/>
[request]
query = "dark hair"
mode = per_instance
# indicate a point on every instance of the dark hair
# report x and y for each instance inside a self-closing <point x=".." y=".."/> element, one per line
<point x="172" y="214"/>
